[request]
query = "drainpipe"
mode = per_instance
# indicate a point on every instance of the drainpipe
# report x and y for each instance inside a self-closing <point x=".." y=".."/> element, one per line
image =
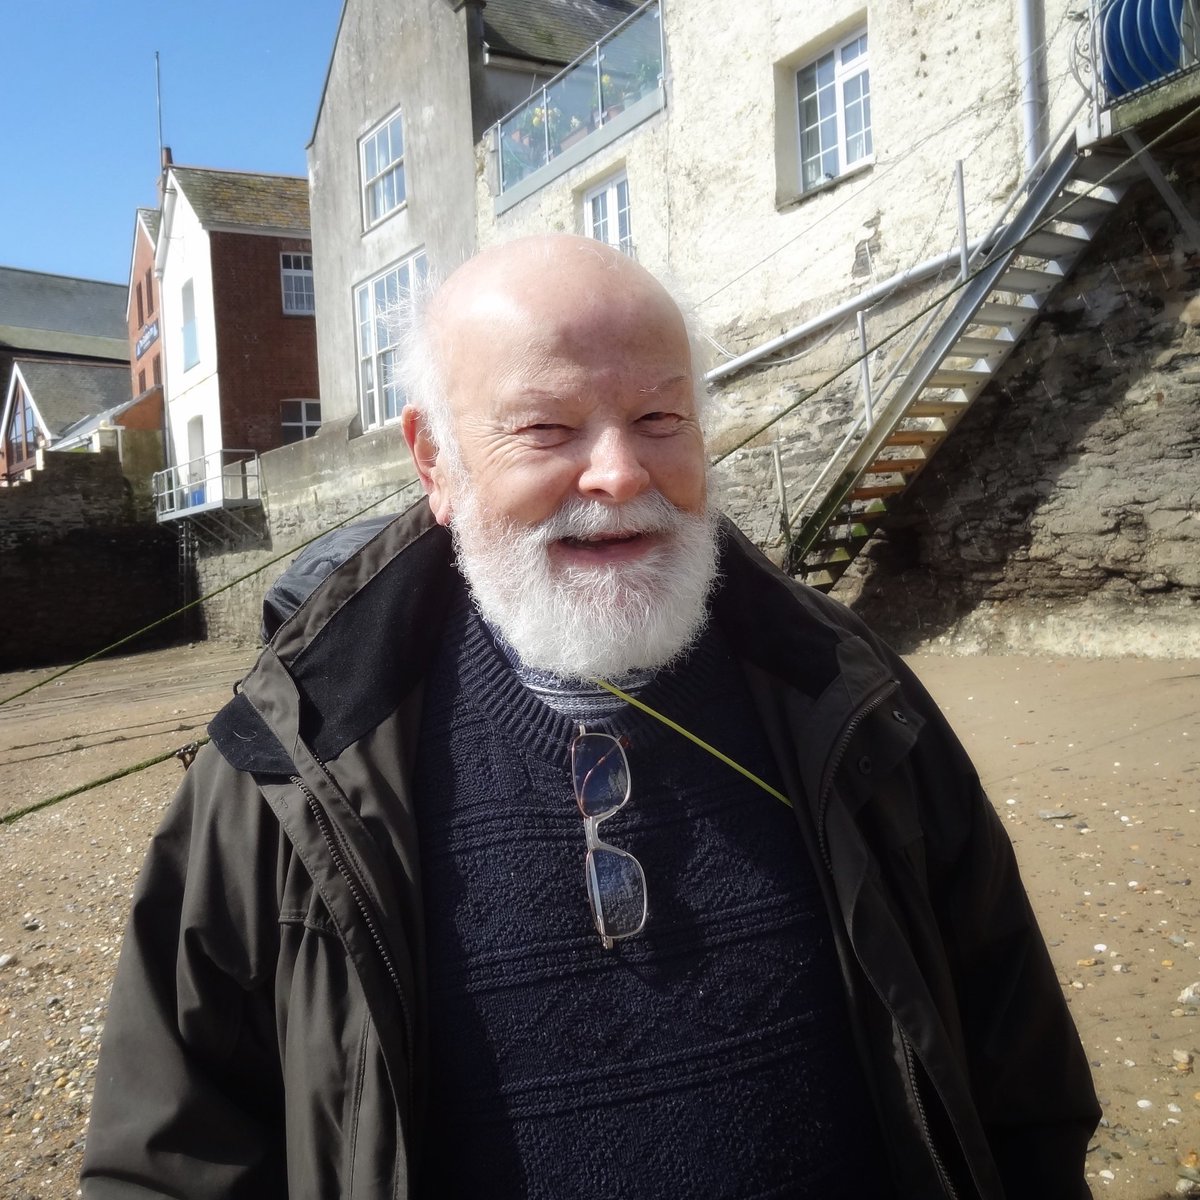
<point x="1029" y="54"/>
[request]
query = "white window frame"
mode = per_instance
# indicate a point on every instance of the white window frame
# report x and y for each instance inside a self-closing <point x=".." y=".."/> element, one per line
<point x="842" y="73"/>
<point x="296" y="283"/>
<point x="604" y="206"/>
<point x="307" y="419"/>
<point x="380" y="397"/>
<point x="381" y="170"/>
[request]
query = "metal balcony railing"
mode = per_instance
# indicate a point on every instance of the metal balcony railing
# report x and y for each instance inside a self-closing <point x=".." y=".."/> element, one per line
<point x="621" y="68"/>
<point x="220" y="479"/>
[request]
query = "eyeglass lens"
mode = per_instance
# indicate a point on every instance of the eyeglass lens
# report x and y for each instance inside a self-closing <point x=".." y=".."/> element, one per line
<point x="617" y="890"/>
<point x="601" y="774"/>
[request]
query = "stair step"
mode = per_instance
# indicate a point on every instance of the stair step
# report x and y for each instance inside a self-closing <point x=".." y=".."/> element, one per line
<point x="1107" y="168"/>
<point x="902" y="466"/>
<point x="980" y="347"/>
<point x="1047" y="244"/>
<point x="1081" y="210"/>
<point x="954" y="377"/>
<point x="937" y="408"/>
<point x="821" y="580"/>
<point x="915" y="437"/>
<point x="876" y="491"/>
<point x="993" y="313"/>
<point x="828" y="554"/>
<point x="1022" y="279"/>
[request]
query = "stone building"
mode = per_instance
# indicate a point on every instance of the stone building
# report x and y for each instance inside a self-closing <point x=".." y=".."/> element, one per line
<point x="876" y="210"/>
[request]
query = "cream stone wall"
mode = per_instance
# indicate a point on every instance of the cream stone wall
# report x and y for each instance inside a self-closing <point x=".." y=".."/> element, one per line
<point x="711" y="178"/>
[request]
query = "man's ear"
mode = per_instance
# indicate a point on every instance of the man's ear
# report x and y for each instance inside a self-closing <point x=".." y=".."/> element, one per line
<point x="424" y="453"/>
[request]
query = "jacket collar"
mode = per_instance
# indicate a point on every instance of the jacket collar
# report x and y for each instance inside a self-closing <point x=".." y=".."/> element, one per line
<point x="363" y="638"/>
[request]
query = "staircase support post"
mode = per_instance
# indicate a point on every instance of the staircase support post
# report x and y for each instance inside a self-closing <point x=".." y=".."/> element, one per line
<point x="960" y="187"/>
<point x="865" y="364"/>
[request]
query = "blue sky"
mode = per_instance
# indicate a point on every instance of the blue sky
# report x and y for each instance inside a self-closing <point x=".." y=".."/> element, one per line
<point x="78" y="123"/>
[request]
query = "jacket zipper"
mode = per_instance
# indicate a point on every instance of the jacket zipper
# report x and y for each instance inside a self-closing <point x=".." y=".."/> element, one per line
<point x="943" y="1175"/>
<point x="366" y="911"/>
<point x="835" y="761"/>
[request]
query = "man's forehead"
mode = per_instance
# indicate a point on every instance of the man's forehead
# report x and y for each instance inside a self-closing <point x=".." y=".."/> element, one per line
<point x="559" y="281"/>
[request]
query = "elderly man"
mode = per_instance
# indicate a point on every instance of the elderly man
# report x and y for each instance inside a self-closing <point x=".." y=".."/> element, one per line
<point x="558" y="845"/>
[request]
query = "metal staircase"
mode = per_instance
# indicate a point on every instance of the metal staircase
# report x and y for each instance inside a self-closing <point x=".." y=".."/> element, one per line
<point x="955" y="354"/>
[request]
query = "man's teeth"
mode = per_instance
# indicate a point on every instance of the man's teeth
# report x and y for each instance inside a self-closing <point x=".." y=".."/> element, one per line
<point x="599" y="538"/>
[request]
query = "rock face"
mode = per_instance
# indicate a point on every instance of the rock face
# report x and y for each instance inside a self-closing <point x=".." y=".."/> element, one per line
<point x="1064" y="512"/>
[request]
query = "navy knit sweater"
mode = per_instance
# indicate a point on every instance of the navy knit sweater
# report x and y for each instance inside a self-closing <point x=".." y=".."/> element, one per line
<point x="710" y="1055"/>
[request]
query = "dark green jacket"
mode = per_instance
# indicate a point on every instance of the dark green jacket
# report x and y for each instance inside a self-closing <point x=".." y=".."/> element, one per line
<point x="266" y="1032"/>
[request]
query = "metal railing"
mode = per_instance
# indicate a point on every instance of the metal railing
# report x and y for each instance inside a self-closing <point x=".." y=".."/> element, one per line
<point x="1127" y="46"/>
<point x="219" y="479"/>
<point x="625" y="65"/>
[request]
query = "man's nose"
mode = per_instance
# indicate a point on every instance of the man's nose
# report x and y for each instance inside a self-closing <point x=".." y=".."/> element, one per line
<point x="614" y="472"/>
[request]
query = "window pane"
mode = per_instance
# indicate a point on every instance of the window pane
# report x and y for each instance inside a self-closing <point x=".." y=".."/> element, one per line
<point x="600" y="217"/>
<point x="289" y="410"/>
<point x="854" y="49"/>
<point x="370" y="162"/>
<point x="824" y="70"/>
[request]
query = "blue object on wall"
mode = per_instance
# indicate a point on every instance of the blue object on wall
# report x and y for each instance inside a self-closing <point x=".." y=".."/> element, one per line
<point x="1140" y="42"/>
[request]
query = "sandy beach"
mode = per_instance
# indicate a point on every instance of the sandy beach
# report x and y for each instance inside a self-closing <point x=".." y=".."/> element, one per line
<point x="1094" y="766"/>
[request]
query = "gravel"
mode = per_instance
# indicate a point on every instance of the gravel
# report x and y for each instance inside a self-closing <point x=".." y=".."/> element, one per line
<point x="1093" y="767"/>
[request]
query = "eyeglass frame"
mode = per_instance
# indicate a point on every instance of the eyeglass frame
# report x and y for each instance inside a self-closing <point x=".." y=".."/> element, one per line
<point x="591" y="825"/>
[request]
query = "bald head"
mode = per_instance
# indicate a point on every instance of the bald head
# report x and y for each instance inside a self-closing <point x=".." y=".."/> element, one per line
<point x="560" y="285"/>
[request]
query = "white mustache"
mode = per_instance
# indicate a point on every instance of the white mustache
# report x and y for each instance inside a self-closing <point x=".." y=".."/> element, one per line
<point x="582" y="519"/>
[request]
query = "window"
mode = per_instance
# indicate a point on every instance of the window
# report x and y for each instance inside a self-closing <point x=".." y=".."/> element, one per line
<point x="297" y="273"/>
<point x="380" y="396"/>
<point x="606" y="213"/>
<point x="382" y="165"/>
<point x="141" y="310"/>
<point x="834" y="96"/>
<point x="156" y="367"/>
<point x="141" y="382"/>
<point x="22" y="435"/>
<point x="299" y="419"/>
<point x="149" y="292"/>
<point x="191" y="344"/>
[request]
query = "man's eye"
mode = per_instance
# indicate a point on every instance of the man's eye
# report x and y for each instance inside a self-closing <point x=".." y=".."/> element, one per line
<point x="662" y="419"/>
<point x="543" y="432"/>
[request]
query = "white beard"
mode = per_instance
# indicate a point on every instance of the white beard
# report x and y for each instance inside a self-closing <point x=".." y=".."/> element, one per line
<point x="582" y="622"/>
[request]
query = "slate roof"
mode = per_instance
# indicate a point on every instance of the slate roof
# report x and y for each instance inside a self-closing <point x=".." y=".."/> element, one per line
<point x="86" y="426"/>
<point x="150" y="217"/>
<point x="59" y="314"/>
<point x="554" y="31"/>
<point x="68" y="392"/>
<point x="240" y="198"/>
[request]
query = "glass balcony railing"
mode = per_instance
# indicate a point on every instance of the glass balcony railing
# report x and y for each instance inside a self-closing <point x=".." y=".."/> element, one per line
<point x="619" y="70"/>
